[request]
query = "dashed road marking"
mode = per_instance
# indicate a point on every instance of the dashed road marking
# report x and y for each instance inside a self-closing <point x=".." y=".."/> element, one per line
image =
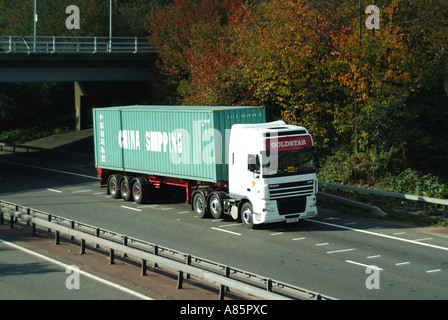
<point x="54" y="190"/>
<point x="82" y="191"/>
<point x="363" y="265"/>
<point x="227" y="231"/>
<point x="342" y="250"/>
<point x="130" y="208"/>
<point x="435" y="270"/>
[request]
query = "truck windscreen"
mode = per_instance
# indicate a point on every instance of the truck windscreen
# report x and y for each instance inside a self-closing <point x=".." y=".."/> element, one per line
<point x="286" y="163"/>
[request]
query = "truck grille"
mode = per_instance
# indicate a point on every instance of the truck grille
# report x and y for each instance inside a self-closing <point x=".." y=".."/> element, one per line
<point x="291" y="190"/>
<point x="291" y="205"/>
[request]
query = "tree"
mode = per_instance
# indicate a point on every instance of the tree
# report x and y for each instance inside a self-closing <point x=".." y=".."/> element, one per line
<point x="191" y="39"/>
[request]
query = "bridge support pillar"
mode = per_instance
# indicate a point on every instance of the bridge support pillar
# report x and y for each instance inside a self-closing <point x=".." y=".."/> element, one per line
<point x="80" y="106"/>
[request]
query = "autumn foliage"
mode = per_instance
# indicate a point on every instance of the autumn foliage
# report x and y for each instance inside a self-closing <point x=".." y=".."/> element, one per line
<point x="312" y="63"/>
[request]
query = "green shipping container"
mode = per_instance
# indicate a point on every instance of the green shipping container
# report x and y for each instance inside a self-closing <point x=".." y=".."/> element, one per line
<point x="189" y="142"/>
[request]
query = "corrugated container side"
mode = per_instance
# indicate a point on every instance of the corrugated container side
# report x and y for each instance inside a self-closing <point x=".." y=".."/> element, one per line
<point x="182" y="142"/>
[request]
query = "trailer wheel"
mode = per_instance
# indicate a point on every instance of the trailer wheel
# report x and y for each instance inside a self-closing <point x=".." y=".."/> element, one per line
<point x="114" y="186"/>
<point x="199" y="205"/>
<point x="125" y="186"/>
<point x="215" y="206"/>
<point x="142" y="190"/>
<point x="247" y="216"/>
<point x="139" y="190"/>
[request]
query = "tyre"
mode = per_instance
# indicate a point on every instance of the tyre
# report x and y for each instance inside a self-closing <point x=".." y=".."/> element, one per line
<point x="215" y="205"/>
<point x="199" y="205"/>
<point x="140" y="190"/>
<point x="125" y="187"/>
<point x="247" y="217"/>
<point x="114" y="186"/>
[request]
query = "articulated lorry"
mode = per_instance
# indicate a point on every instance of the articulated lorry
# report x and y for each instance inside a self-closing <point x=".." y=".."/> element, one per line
<point x="228" y="160"/>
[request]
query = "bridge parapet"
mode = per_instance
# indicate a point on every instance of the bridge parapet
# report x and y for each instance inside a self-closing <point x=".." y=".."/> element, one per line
<point x="77" y="45"/>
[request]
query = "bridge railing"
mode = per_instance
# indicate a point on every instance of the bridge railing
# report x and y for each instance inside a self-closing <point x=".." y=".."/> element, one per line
<point x="84" y="45"/>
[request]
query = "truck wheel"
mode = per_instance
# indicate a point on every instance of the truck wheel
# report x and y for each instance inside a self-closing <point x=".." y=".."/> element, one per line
<point x="140" y="190"/>
<point x="247" y="216"/>
<point x="215" y="206"/>
<point x="125" y="186"/>
<point x="199" y="206"/>
<point x="114" y="186"/>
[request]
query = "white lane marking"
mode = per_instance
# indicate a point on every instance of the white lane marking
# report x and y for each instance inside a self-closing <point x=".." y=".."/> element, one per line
<point x="322" y="244"/>
<point x="130" y="208"/>
<point x="435" y="270"/>
<point x="397" y="233"/>
<point x="276" y="233"/>
<point x="106" y="282"/>
<point x="81" y="191"/>
<point x="363" y="265"/>
<point x="375" y="256"/>
<point x="424" y="239"/>
<point x="182" y="212"/>
<point x="229" y="225"/>
<point x="302" y="238"/>
<point x="51" y="170"/>
<point x="402" y="263"/>
<point x="380" y="235"/>
<point x="54" y="190"/>
<point x="231" y="232"/>
<point x="342" y="250"/>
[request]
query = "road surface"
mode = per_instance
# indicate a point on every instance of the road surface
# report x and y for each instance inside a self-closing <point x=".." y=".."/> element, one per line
<point x="332" y="254"/>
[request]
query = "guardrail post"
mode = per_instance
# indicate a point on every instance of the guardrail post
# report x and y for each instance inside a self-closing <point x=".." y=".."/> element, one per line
<point x="188" y="262"/>
<point x="112" y="256"/>
<point x="11" y="221"/>
<point x="56" y="238"/>
<point x="49" y="220"/>
<point x="97" y="233"/>
<point x="72" y="226"/>
<point x="83" y="246"/>
<point x="28" y="212"/>
<point x="2" y="221"/>
<point x="144" y="268"/>
<point x="269" y="285"/>
<point x="125" y="243"/>
<point x="180" y="280"/>
<point x="222" y="291"/>
<point x="34" y="230"/>
<point x="156" y="252"/>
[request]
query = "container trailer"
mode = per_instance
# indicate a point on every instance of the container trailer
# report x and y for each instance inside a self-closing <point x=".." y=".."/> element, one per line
<point x="228" y="160"/>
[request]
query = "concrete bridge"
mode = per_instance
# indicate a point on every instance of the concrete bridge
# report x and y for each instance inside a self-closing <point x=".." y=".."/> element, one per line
<point x="94" y="64"/>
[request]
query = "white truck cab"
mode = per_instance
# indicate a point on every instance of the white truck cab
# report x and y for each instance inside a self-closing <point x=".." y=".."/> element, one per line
<point x="272" y="174"/>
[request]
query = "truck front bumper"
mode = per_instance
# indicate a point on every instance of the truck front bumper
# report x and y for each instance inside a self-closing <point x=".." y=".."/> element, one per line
<point x="267" y="211"/>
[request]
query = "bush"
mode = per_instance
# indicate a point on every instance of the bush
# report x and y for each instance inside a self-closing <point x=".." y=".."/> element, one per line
<point x="382" y="171"/>
<point x="414" y="182"/>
